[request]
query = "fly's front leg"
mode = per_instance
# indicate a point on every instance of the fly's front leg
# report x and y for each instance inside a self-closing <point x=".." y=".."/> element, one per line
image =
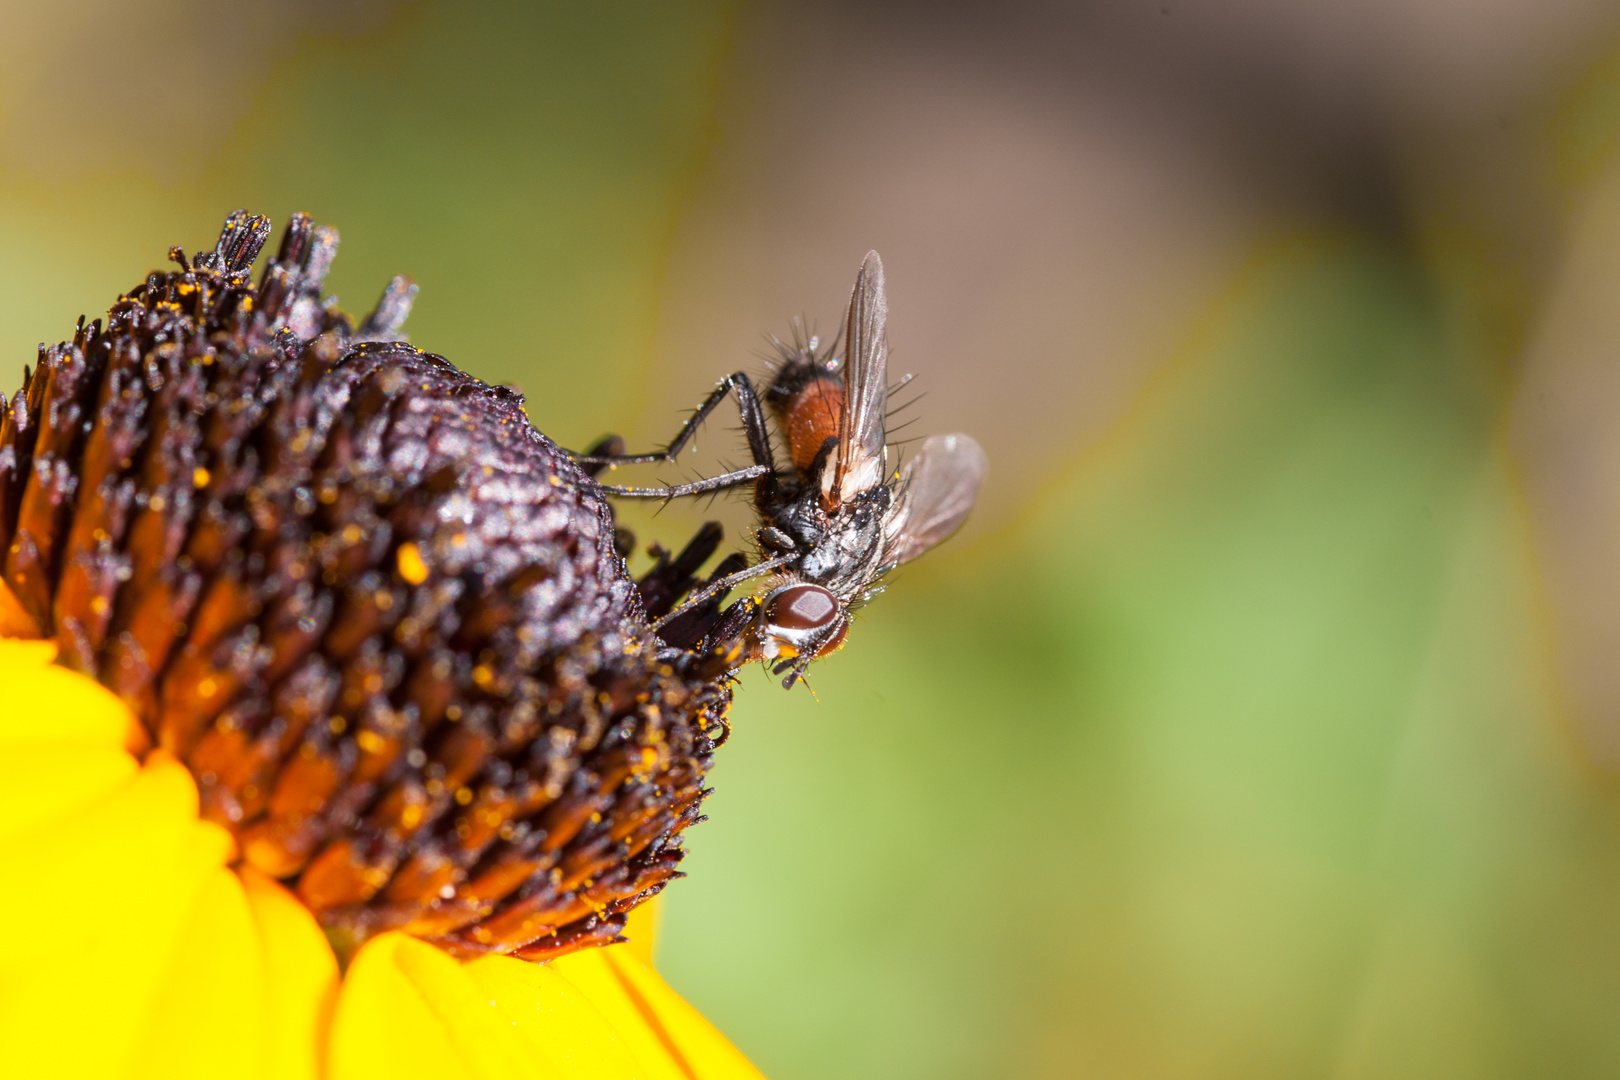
<point x="720" y="585"/>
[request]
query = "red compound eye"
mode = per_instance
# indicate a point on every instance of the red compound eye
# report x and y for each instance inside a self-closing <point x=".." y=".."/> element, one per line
<point x="833" y="642"/>
<point x="802" y="607"/>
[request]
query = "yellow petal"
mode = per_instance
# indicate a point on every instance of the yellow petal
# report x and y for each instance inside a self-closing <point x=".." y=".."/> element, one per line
<point x="642" y="929"/>
<point x="560" y="1027"/>
<point x="61" y="739"/>
<point x="45" y="703"/>
<point x="43" y="782"/>
<point x="658" y="1025"/>
<point x="408" y="1009"/>
<point x="207" y="1017"/>
<point x="94" y="908"/>
<point x="26" y="651"/>
<point x="301" y="980"/>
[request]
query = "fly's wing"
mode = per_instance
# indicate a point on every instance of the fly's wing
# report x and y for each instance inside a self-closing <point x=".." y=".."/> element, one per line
<point x="934" y="494"/>
<point x="859" y="463"/>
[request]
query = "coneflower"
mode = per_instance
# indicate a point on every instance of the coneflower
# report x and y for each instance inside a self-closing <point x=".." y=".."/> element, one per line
<point x="377" y="616"/>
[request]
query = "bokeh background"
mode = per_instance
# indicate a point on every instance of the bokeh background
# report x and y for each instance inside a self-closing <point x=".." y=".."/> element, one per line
<point x="1265" y="719"/>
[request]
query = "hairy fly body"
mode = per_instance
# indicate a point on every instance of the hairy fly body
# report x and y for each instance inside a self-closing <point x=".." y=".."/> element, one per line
<point x="833" y="521"/>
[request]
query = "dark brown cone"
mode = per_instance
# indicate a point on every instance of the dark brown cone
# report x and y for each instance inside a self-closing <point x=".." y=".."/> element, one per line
<point x="378" y="615"/>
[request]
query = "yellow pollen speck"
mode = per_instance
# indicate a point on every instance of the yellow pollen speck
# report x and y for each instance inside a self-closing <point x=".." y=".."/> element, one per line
<point x="207" y="687"/>
<point x="411" y="566"/>
<point x="464" y="795"/>
<point x="200" y="477"/>
<point x="369" y="741"/>
<point x="157" y="503"/>
<point x="352" y="533"/>
<point x="337" y="725"/>
<point x="99" y="605"/>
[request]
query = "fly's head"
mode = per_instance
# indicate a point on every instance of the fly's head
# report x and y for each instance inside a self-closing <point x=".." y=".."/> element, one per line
<point x="836" y="559"/>
<point x="797" y="622"/>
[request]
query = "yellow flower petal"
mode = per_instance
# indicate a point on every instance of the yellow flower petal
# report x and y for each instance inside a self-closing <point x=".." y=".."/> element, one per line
<point x="408" y="1009"/>
<point x="95" y="906"/>
<point x="47" y="704"/>
<point x="301" y="979"/>
<point x="560" y="1026"/>
<point x="207" y="1015"/>
<point x="135" y="952"/>
<point x="659" y="1026"/>
<point x="642" y="928"/>
<point x="709" y="1053"/>
<point x="44" y="782"/>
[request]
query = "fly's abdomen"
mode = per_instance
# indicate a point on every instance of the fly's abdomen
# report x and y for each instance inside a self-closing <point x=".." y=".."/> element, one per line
<point x="810" y="417"/>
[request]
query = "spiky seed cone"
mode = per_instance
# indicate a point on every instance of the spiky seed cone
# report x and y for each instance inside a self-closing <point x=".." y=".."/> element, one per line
<point x="378" y="615"/>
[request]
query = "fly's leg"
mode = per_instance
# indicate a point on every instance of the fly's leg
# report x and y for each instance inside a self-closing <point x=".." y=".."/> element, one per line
<point x="603" y="455"/>
<point x="696" y="487"/>
<point x="602" y="452"/>
<point x="609" y="452"/>
<point x="719" y="586"/>
<point x="697" y="620"/>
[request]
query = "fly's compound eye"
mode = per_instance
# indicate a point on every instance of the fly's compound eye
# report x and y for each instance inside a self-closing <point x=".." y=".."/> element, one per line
<point x="834" y="643"/>
<point x="798" y="615"/>
<point x="801" y="607"/>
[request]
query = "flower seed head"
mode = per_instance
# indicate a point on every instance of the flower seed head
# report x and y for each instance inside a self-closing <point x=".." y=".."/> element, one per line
<point x="377" y="614"/>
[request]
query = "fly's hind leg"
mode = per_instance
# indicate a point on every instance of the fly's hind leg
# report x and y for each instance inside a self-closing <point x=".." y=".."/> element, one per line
<point x="602" y="453"/>
<point x="609" y="453"/>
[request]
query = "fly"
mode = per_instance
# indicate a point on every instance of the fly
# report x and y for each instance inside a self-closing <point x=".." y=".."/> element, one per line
<point x="831" y="524"/>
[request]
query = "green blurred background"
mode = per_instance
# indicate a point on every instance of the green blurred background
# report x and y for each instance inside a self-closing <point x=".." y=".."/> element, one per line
<point x="1264" y="720"/>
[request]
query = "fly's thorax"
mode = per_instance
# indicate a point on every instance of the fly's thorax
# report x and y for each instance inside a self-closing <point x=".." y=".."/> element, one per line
<point x="846" y="555"/>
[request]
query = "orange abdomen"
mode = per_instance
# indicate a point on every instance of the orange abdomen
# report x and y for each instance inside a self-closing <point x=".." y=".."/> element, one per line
<point x="810" y="418"/>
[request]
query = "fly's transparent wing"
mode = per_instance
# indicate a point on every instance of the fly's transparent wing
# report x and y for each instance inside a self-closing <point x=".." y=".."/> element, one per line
<point x="860" y="462"/>
<point x="932" y="499"/>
